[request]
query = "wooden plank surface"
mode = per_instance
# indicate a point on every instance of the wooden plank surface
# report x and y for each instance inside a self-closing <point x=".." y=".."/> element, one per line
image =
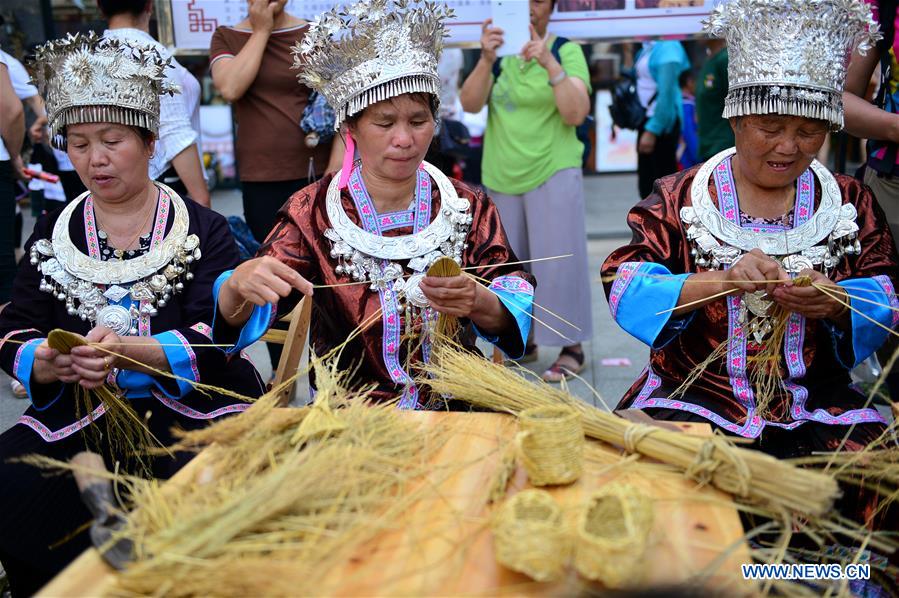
<point x="443" y="545"/>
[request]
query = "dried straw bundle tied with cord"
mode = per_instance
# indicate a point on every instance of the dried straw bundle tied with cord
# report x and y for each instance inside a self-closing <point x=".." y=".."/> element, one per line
<point x="530" y="536"/>
<point x="747" y="474"/>
<point x="612" y="534"/>
<point x="551" y="444"/>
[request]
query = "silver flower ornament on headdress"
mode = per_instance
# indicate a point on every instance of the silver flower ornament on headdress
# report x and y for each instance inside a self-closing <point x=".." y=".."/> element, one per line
<point x="791" y="56"/>
<point x="85" y="78"/>
<point x="371" y="51"/>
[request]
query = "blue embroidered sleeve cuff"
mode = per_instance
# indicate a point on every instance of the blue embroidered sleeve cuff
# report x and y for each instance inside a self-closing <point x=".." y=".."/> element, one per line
<point x="517" y="296"/>
<point x="877" y="307"/>
<point x="182" y="363"/>
<point x="258" y="323"/>
<point x="640" y="292"/>
<point x="42" y="396"/>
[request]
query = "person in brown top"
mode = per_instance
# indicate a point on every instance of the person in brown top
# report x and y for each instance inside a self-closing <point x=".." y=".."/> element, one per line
<point x="251" y="67"/>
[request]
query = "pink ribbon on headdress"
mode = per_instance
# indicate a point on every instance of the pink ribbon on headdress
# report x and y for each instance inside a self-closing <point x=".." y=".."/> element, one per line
<point x="348" y="156"/>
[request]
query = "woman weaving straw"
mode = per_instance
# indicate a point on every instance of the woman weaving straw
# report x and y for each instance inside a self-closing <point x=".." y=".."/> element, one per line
<point x="367" y="236"/>
<point x="781" y="271"/>
<point x="130" y="266"/>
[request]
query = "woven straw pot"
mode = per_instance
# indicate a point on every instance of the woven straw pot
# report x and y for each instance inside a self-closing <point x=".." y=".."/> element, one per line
<point x="529" y="536"/>
<point x="551" y="444"/>
<point x="612" y="534"/>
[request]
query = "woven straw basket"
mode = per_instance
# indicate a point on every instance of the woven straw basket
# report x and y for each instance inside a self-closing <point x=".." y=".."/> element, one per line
<point x="551" y="444"/>
<point x="612" y="534"/>
<point x="530" y="537"/>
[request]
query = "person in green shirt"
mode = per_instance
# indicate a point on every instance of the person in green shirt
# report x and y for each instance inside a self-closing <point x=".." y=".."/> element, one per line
<point x="715" y="134"/>
<point x="532" y="170"/>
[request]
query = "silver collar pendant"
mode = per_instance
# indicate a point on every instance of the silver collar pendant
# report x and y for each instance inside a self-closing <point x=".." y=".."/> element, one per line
<point x="93" y="289"/>
<point x="360" y="253"/>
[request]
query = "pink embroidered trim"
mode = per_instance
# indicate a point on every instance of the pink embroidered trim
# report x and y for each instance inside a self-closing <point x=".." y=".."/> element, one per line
<point x="90" y="228"/>
<point x="186" y="411"/>
<point x="887" y="284"/>
<point x="15" y="363"/>
<point x="203" y="328"/>
<point x="625" y="274"/>
<point x="51" y="436"/>
<point x="163" y="203"/>
<point x="190" y="354"/>
<point x="15" y="332"/>
<point x="513" y="284"/>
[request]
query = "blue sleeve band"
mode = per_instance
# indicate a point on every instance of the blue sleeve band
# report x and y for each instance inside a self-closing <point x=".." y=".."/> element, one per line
<point x="22" y="367"/>
<point x="640" y="300"/>
<point x="258" y="323"/>
<point x="872" y="300"/>
<point x="517" y="296"/>
<point x="182" y="363"/>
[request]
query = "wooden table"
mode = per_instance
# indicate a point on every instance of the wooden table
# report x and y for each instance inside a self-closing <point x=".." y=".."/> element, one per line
<point x="697" y="530"/>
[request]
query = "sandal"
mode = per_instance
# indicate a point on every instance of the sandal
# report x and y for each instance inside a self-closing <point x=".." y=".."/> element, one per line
<point x="558" y="372"/>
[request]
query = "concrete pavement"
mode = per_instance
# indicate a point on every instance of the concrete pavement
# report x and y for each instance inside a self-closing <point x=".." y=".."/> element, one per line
<point x="608" y="198"/>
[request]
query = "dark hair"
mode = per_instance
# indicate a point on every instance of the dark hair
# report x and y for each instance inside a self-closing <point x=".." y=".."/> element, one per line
<point x="432" y="101"/>
<point x="111" y="8"/>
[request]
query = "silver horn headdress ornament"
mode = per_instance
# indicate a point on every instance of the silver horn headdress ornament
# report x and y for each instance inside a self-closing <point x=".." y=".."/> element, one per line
<point x="371" y="51"/>
<point x="790" y="56"/>
<point x="85" y="78"/>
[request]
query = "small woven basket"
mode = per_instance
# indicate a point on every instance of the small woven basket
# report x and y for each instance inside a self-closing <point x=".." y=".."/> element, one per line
<point x="551" y="444"/>
<point x="529" y="536"/>
<point x="612" y="534"/>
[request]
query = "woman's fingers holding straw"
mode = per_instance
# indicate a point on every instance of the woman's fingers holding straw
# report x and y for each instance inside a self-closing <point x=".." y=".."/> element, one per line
<point x="451" y="295"/>
<point x="748" y="272"/>
<point x="810" y="300"/>
<point x="52" y="366"/>
<point x="90" y="362"/>
<point x="266" y="280"/>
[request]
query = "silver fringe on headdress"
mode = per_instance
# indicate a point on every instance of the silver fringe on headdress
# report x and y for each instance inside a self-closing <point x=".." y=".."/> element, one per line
<point x="372" y="51"/>
<point x="790" y="56"/>
<point x="85" y="78"/>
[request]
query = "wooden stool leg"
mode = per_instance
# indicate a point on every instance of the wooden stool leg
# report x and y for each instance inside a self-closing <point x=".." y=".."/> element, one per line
<point x="498" y="355"/>
<point x="293" y="348"/>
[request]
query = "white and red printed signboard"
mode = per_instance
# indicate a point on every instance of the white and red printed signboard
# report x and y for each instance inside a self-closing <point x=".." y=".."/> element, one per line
<point x="193" y="21"/>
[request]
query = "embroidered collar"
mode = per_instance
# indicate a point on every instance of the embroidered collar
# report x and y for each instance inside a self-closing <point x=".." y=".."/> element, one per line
<point x="820" y="236"/>
<point x="117" y="293"/>
<point x="360" y="251"/>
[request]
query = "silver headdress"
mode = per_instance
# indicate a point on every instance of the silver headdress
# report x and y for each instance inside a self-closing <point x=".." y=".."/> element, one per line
<point x="92" y="79"/>
<point x="790" y="56"/>
<point x="372" y="51"/>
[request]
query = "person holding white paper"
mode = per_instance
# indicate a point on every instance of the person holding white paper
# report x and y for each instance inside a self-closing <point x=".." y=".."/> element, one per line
<point x="532" y="169"/>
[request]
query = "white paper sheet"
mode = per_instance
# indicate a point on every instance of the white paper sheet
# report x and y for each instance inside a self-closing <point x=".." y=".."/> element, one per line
<point x="513" y="17"/>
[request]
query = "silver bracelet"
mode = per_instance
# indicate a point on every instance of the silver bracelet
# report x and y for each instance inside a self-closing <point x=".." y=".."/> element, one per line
<point x="558" y="79"/>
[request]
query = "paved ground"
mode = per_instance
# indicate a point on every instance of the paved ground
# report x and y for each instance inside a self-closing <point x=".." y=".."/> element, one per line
<point x="608" y="198"/>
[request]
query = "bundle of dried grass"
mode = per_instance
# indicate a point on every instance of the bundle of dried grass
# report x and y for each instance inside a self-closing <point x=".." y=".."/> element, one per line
<point x="551" y="444"/>
<point x="260" y="499"/>
<point x="745" y="473"/>
<point x="612" y="533"/>
<point x="126" y="433"/>
<point x="447" y="326"/>
<point x="530" y="537"/>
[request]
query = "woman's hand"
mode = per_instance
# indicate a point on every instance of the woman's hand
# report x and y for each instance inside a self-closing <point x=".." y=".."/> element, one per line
<point x="810" y="302"/>
<point x="491" y="40"/>
<point x="536" y="49"/>
<point x="262" y="15"/>
<point x="752" y="269"/>
<point x="647" y="143"/>
<point x="52" y="366"/>
<point x="452" y="295"/>
<point x="92" y="364"/>
<point x="265" y="280"/>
